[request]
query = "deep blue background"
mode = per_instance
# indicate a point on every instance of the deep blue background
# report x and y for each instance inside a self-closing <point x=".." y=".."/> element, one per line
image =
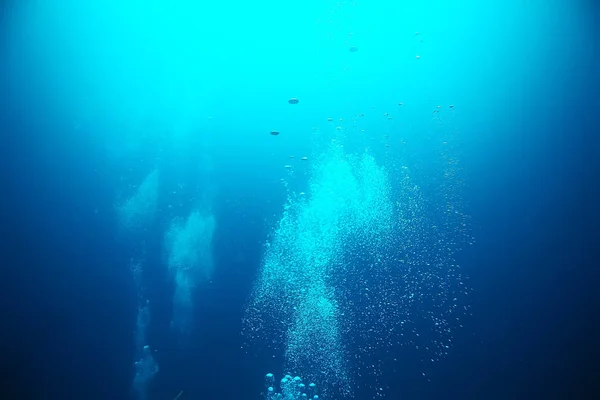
<point x="67" y="310"/>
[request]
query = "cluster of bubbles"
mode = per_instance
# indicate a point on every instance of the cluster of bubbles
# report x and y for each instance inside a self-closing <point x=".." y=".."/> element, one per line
<point x="411" y="292"/>
<point x="190" y="262"/>
<point x="137" y="270"/>
<point x="145" y="369"/>
<point x="136" y="212"/>
<point x="297" y="298"/>
<point x="135" y="216"/>
<point x="363" y="262"/>
<point x="187" y="240"/>
<point x="289" y="389"/>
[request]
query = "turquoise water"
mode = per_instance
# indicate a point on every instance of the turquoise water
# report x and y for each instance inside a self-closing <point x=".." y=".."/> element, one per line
<point x="376" y="197"/>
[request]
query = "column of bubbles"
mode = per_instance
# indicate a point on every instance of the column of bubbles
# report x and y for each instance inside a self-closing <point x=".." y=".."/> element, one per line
<point x="361" y="263"/>
<point x="136" y="214"/>
<point x="190" y="262"/>
<point x="298" y="302"/>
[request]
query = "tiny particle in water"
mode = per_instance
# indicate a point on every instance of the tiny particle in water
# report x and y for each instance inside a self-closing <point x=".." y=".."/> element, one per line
<point x="451" y="105"/>
<point x="418" y="57"/>
<point x="287" y="166"/>
<point x="329" y="119"/>
<point x="274" y="133"/>
<point x="353" y="49"/>
<point x="400" y="103"/>
<point x="416" y="33"/>
<point x="304" y="158"/>
<point x="293" y="100"/>
<point x="291" y="156"/>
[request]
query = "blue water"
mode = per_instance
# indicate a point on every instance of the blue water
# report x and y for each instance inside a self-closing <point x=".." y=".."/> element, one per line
<point x="96" y="96"/>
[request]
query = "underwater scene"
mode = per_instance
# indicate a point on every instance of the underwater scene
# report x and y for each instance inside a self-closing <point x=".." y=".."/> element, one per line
<point x="298" y="200"/>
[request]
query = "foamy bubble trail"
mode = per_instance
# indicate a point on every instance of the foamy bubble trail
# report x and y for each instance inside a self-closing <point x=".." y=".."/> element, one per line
<point x="361" y="264"/>
<point x="135" y="215"/>
<point x="297" y="298"/>
<point x="137" y="212"/>
<point x="189" y="247"/>
<point x="145" y="369"/>
<point x="145" y="365"/>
